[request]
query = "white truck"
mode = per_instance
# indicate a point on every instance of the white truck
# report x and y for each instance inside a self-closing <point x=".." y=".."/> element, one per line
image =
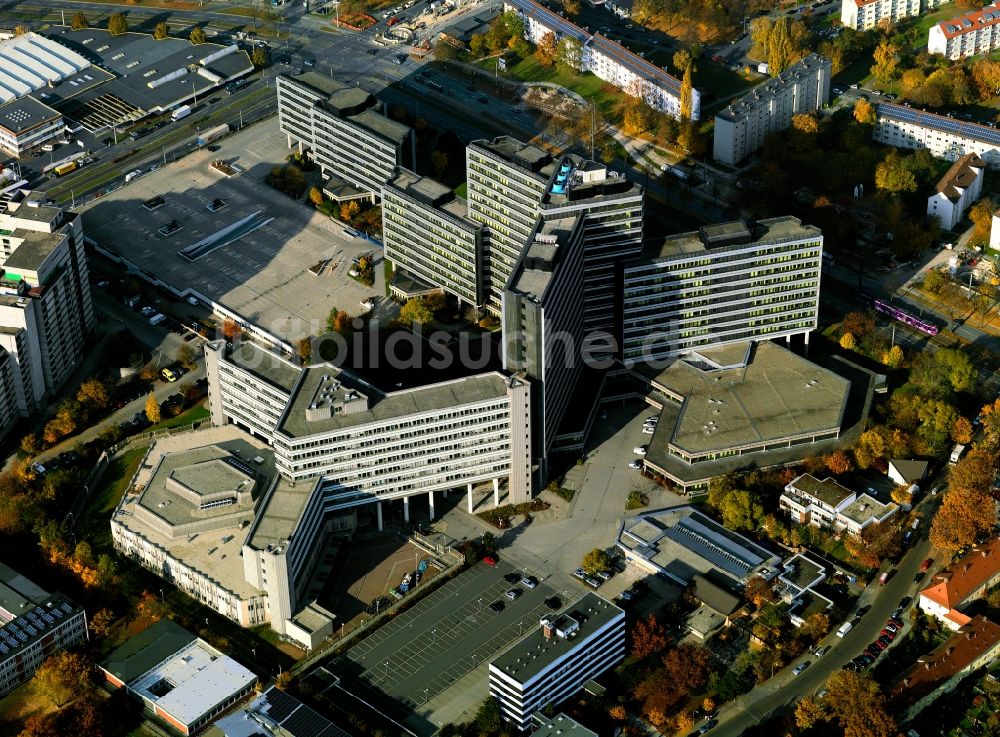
<point x="182" y="112"/>
<point x="956" y="453"/>
<point x="845" y="628"/>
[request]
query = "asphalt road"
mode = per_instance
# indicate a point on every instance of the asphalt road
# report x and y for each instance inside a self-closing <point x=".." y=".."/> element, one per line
<point x="785" y="689"/>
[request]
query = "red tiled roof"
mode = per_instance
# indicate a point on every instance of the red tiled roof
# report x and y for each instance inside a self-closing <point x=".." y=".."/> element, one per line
<point x="983" y="18"/>
<point x="930" y="671"/>
<point x="952" y="586"/>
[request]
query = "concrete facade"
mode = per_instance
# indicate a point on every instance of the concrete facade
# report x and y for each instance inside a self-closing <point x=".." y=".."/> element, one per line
<point x="946" y="138"/>
<point x="863" y="15"/>
<point x="958" y="189"/>
<point x="976" y="32"/>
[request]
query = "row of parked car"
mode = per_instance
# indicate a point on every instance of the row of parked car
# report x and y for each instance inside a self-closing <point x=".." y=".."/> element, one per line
<point x="893" y="626"/>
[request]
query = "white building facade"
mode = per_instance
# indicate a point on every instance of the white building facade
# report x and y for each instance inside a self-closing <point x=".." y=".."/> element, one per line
<point x="862" y="15"/>
<point x="946" y="138"/>
<point x="976" y="32"/>
<point x="961" y="186"/>
<point x="741" y="128"/>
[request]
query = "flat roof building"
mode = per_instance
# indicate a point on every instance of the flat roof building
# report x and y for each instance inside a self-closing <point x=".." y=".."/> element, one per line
<point x="26" y="124"/>
<point x="278" y="714"/>
<point x="427" y="233"/>
<point x="46" y="311"/>
<point x="742" y="127"/>
<point x="945" y="137"/>
<point x="828" y="505"/>
<point x="34" y="624"/>
<point x="725" y="283"/>
<point x="178" y="677"/>
<point x="976" y="32"/>
<point x="553" y="662"/>
<point x="682" y="542"/>
<point x="738" y="404"/>
<point x="342" y="130"/>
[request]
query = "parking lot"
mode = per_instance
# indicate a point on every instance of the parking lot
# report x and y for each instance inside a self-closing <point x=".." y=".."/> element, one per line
<point x="257" y="247"/>
<point x="425" y="651"/>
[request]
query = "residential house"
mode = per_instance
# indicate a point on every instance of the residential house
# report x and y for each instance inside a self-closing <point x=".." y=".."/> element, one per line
<point x="828" y="505"/>
<point x="966" y="579"/>
<point x="957" y="190"/>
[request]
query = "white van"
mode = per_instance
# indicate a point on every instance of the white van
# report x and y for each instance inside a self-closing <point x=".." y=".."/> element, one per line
<point x="133" y="175"/>
<point x="157" y="318"/>
<point x="845" y="628"/>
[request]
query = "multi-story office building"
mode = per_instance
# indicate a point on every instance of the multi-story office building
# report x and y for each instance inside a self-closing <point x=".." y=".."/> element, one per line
<point x="427" y="233"/>
<point x="45" y="305"/>
<point x="976" y="32"/>
<point x="946" y="138"/>
<point x="957" y="190"/>
<point x="351" y="142"/>
<point x="553" y="662"/>
<point x="511" y="184"/>
<point x="33" y="625"/>
<point x="26" y="124"/>
<point x="607" y="59"/>
<point x="543" y="323"/>
<point x="741" y="128"/>
<point x="725" y="283"/>
<point x="862" y="15"/>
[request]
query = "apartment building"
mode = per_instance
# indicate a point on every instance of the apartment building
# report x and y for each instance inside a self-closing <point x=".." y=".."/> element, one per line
<point x="958" y="189"/>
<point x="46" y="311"/>
<point x="34" y="624"/>
<point x="976" y="32"/>
<point x="607" y="59"/>
<point x="26" y="124"/>
<point x="863" y="15"/>
<point x="741" y="128"/>
<point x="965" y="580"/>
<point x="551" y="663"/>
<point x="511" y="184"/>
<point x="543" y="324"/>
<point x="828" y="505"/>
<point x="428" y="234"/>
<point x="340" y="127"/>
<point x="722" y="284"/>
<point x="945" y="137"/>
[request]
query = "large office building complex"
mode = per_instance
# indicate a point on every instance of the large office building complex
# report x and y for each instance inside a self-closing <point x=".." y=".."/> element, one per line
<point x="34" y="624"/>
<point x="741" y="128"/>
<point x="863" y="15"/>
<point x="976" y="32"/>
<point x="946" y="138"/>
<point x="723" y="284"/>
<point x="427" y="233"/>
<point x="607" y="59"/>
<point x="512" y="184"/>
<point x="352" y="143"/>
<point x="543" y="323"/>
<point x="553" y="662"/>
<point x="46" y="311"/>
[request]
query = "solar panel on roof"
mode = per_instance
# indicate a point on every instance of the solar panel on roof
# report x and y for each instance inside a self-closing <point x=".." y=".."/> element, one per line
<point x="305" y="722"/>
<point x="66" y="607"/>
<point x="280" y="705"/>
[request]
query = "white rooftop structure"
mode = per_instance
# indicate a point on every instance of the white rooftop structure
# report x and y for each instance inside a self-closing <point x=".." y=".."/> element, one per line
<point x="30" y="62"/>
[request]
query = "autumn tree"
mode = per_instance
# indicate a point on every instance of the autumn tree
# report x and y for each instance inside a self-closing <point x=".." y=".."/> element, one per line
<point x="40" y="725"/>
<point x="683" y="722"/>
<point x="595" y="561"/>
<point x="894" y="357"/>
<point x="873" y="544"/>
<point x="63" y="676"/>
<point x="986" y="77"/>
<point x="415" y="311"/>
<point x="30" y="446"/>
<point x="859" y="706"/>
<point x="637" y="116"/>
<point x="198" y="35"/>
<point x="117" y="25"/>
<point x="901" y="494"/>
<point x="101" y="622"/>
<point x="893" y="175"/>
<point x="989" y="421"/>
<point x="283" y="681"/>
<point x="885" y="62"/>
<point x="858" y="323"/>
<point x="981" y="215"/>
<point x="303" y="350"/>
<point x="186" y="356"/>
<point x="161" y="31"/>
<point x="759" y="591"/>
<point x="961" y="431"/>
<point x="259" y="57"/>
<point x="688" y="664"/>
<point x="975" y="471"/>
<point x="964" y="515"/>
<point x="152" y="408"/>
<point x="647" y="637"/>
<point x="545" y="52"/>
<point x="687" y="93"/>
<point x="809" y="712"/>
<point x="864" y="112"/>
<point x="572" y="7"/>
<point x="231" y="330"/>
<point x="805" y="128"/>
<point x="618" y="713"/>
<point x="93" y="393"/>
<point x="848" y="342"/>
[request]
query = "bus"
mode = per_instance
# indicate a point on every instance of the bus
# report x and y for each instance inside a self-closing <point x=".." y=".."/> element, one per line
<point x="64" y="169"/>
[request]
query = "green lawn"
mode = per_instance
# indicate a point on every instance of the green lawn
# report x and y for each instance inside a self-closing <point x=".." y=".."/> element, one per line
<point x="93" y="523"/>
<point x="924" y="23"/>
<point x="586" y="85"/>
<point x="462" y="190"/>
<point x="198" y="412"/>
<point x="720" y="81"/>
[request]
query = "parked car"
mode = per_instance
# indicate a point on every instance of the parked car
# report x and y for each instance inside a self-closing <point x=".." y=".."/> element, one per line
<point x="635" y="464"/>
<point x="640" y="450"/>
<point x="489" y="560"/>
<point x="529" y="582"/>
<point x="580" y="573"/>
<point x="604" y="575"/>
<point x="513" y="594"/>
<point x="919" y="576"/>
<point x="594" y="583"/>
<point x="497" y="606"/>
<point x="884" y="640"/>
<point x="926" y="564"/>
<point x="797" y="670"/>
<point x="821" y="651"/>
<point x="512" y="577"/>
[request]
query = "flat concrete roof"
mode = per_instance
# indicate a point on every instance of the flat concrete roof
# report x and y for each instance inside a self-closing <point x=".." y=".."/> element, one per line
<point x="265" y="365"/>
<point x="827" y="491"/>
<point x="341" y="97"/>
<point x="778" y="394"/>
<point x="141" y="652"/>
<point x="779" y="229"/>
<point x="526" y="156"/>
<point x="386" y="406"/>
<point x="34" y="249"/>
<point x="535" y="652"/>
<point x="24" y="114"/>
<point x="532" y="282"/>
<point x="215" y="553"/>
<point x="279" y="514"/>
<point x="262" y="275"/>
<point x="18" y="593"/>
<point x="866" y="508"/>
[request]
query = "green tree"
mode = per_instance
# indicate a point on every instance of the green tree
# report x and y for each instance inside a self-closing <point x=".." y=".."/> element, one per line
<point x="415" y="311"/>
<point x="741" y="511"/>
<point x="186" y="356"/>
<point x="117" y="25"/>
<point x="595" y="561"/>
<point x="477" y="45"/>
<point x="546" y="51"/>
<point x="161" y="31"/>
<point x="79" y="22"/>
<point x="570" y="56"/>
<point x="152" y="408"/>
<point x="934" y="281"/>
<point x="943" y="372"/>
<point x="893" y="175"/>
<point x="198" y="35"/>
<point x="869" y="448"/>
